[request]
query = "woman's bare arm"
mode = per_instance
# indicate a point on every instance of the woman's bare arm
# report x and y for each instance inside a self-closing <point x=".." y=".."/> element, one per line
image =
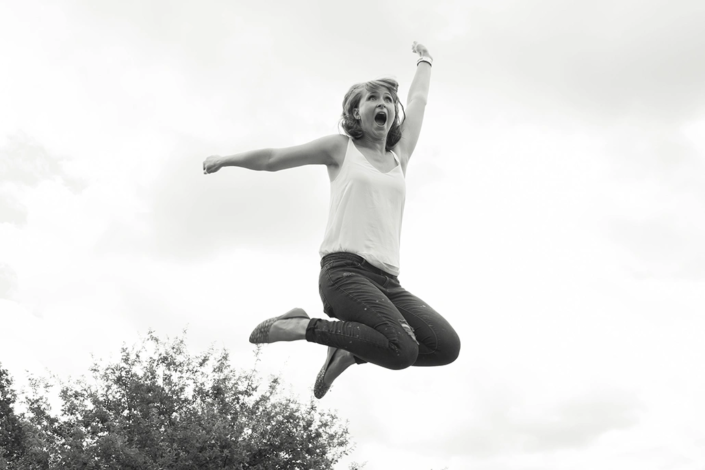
<point x="415" y="104"/>
<point x="323" y="151"/>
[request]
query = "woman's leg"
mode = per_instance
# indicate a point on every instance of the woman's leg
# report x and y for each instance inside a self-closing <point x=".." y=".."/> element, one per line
<point x="370" y="326"/>
<point x="439" y="344"/>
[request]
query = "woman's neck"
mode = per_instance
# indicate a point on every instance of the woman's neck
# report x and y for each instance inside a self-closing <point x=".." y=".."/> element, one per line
<point x="376" y="145"/>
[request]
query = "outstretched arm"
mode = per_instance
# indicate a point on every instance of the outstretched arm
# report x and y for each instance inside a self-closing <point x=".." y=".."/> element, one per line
<point x="416" y="102"/>
<point x="321" y="151"/>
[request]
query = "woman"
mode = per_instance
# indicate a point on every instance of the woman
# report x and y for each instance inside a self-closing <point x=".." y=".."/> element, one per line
<point x="378" y="321"/>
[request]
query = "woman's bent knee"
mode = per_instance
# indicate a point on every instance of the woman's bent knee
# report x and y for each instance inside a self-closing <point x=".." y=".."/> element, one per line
<point x="450" y="352"/>
<point x="404" y="356"/>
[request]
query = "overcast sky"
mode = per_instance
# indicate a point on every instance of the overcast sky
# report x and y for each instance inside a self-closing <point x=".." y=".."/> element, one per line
<point x="555" y="211"/>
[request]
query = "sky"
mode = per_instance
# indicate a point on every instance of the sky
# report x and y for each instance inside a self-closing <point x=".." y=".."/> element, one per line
<point x="555" y="210"/>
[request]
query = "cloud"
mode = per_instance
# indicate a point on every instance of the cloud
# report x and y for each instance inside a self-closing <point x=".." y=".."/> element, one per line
<point x="663" y="246"/>
<point x="8" y="282"/>
<point x="579" y="422"/>
<point x="25" y="162"/>
<point x="11" y="210"/>
<point x="598" y="60"/>
<point x="658" y="198"/>
<point x="22" y="164"/>
<point x="500" y="425"/>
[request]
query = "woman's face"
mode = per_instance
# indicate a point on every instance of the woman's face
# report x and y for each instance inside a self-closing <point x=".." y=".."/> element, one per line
<point x="377" y="111"/>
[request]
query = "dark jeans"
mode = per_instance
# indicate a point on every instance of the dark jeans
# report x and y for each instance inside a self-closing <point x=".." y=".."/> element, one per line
<point x="379" y="321"/>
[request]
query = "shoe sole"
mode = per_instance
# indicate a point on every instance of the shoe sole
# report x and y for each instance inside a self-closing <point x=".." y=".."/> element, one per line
<point x="319" y="387"/>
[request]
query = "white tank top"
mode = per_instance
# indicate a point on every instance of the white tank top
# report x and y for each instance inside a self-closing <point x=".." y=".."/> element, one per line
<point x="366" y="209"/>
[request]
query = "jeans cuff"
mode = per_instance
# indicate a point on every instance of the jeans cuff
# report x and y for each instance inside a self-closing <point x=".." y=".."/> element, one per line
<point x="311" y="330"/>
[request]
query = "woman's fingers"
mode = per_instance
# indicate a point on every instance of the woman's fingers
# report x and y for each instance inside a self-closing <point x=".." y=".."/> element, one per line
<point x="207" y="166"/>
<point x="420" y="49"/>
<point x="211" y="164"/>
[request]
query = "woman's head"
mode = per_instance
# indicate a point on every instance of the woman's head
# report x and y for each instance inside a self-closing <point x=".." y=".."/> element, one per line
<point x="373" y="106"/>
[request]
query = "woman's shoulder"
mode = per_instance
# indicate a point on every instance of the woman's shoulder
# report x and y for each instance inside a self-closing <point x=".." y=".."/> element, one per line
<point x="338" y="146"/>
<point x="329" y="149"/>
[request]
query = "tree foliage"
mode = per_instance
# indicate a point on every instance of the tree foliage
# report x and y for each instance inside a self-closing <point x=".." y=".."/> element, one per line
<point x="11" y="434"/>
<point x="159" y="407"/>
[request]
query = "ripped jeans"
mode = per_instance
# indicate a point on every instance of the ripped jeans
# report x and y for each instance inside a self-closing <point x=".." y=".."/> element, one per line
<point x="379" y="321"/>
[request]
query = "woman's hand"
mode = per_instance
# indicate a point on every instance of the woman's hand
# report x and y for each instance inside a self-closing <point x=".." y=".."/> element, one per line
<point x="211" y="164"/>
<point x="420" y="49"/>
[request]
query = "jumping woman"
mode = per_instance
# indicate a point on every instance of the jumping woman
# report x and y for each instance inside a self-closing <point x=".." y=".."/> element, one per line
<point x="375" y="319"/>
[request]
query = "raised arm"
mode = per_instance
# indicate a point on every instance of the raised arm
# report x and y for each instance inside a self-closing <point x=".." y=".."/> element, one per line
<point x="416" y="102"/>
<point x="323" y="151"/>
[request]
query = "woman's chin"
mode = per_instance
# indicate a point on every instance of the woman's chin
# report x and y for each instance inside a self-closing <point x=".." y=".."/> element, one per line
<point x="376" y="131"/>
<point x="380" y="129"/>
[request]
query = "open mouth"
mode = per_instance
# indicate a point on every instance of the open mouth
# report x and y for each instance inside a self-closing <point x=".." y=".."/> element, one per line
<point x="381" y="118"/>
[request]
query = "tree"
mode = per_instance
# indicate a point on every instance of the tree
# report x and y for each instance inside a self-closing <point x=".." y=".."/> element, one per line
<point x="158" y="407"/>
<point x="11" y="434"/>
